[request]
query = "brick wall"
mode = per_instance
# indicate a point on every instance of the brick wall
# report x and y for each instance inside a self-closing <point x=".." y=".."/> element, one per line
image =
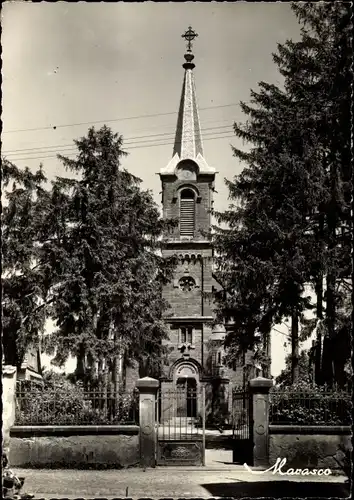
<point x="189" y="303"/>
<point x="173" y="342"/>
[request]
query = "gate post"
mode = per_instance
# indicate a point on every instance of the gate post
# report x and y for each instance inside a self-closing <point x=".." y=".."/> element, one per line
<point x="9" y="373"/>
<point x="259" y="388"/>
<point x="147" y="420"/>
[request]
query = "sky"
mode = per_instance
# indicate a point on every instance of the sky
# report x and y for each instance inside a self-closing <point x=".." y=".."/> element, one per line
<point x="68" y="66"/>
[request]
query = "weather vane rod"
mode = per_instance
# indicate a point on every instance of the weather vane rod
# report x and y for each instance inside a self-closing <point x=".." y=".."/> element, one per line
<point x="189" y="35"/>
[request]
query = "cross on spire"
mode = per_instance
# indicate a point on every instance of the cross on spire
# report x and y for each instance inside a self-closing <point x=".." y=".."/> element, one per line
<point x="189" y="35"/>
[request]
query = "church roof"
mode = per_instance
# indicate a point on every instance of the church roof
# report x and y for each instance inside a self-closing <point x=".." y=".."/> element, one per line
<point x="188" y="139"/>
<point x="188" y="143"/>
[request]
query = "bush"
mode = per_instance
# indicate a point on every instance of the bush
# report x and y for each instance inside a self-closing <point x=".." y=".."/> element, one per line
<point x="59" y="402"/>
<point x="303" y="404"/>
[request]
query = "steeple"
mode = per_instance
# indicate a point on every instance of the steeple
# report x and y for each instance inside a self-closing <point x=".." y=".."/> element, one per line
<point x="188" y="143"/>
<point x="188" y="140"/>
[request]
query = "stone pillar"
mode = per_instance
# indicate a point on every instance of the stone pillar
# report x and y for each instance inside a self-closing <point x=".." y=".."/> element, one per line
<point x="8" y="404"/>
<point x="259" y="388"/>
<point x="147" y="417"/>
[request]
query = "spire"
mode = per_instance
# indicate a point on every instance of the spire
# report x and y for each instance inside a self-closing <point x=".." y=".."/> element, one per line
<point x="188" y="139"/>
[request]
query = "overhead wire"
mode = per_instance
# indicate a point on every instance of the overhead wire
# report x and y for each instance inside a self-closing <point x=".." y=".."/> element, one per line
<point x="127" y="149"/>
<point x="134" y="138"/>
<point x="154" y="115"/>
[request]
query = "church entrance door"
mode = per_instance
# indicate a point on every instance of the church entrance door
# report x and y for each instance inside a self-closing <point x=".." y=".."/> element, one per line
<point x="187" y="397"/>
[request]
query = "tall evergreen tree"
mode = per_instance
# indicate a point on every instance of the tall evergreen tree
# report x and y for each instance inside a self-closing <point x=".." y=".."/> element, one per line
<point x="25" y="285"/>
<point x="84" y="253"/>
<point x="279" y="236"/>
<point x="305" y="370"/>
<point x="268" y="240"/>
<point x="104" y="249"/>
<point x="317" y="71"/>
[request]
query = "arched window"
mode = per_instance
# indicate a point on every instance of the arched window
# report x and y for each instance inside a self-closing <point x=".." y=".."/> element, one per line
<point x="187" y="213"/>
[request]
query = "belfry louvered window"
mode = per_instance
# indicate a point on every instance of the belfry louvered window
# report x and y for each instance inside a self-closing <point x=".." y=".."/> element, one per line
<point x="187" y="213"/>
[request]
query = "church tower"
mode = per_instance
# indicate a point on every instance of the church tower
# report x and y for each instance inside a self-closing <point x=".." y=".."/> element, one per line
<point x="187" y="196"/>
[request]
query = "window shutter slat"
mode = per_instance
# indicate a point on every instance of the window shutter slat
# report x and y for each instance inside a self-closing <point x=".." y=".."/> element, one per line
<point x="187" y="215"/>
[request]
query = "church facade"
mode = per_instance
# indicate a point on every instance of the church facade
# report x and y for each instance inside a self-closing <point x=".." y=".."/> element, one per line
<point x="195" y="344"/>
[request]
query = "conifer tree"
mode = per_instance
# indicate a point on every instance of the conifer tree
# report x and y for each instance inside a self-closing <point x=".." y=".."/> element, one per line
<point x="290" y="213"/>
<point x="25" y="285"/>
<point x="85" y="253"/>
<point x="269" y="231"/>
<point x="305" y="370"/>
<point x="104" y="251"/>
<point x="317" y="72"/>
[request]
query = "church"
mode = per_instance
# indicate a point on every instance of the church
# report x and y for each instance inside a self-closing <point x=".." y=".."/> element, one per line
<point x="195" y="344"/>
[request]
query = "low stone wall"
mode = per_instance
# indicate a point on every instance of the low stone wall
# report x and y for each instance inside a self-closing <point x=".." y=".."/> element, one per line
<point x="309" y="446"/>
<point x="77" y="447"/>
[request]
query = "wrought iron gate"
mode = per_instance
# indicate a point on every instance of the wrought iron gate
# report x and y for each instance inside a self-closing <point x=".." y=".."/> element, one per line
<point x="242" y="426"/>
<point x="180" y="422"/>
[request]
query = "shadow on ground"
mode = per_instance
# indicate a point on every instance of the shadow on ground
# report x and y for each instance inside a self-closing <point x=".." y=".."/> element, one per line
<point x="278" y="489"/>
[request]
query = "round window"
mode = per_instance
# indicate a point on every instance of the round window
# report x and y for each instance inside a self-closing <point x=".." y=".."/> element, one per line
<point x="186" y="283"/>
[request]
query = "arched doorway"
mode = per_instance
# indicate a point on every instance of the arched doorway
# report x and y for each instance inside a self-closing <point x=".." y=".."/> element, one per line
<point x="181" y="429"/>
<point x="186" y="397"/>
<point x="186" y="382"/>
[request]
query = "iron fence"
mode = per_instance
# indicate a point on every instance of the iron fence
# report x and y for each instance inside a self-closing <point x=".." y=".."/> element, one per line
<point x="310" y="408"/>
<point x="179" y="414"/>
<point x="65" y="405"/>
